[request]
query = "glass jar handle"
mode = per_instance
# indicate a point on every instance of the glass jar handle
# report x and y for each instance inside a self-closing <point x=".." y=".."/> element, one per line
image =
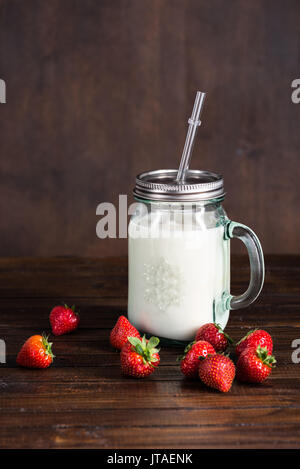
<point x="257" y="267"/>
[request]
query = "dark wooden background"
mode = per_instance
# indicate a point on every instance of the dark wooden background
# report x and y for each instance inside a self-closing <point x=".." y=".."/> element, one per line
<point x="99" y="90"/>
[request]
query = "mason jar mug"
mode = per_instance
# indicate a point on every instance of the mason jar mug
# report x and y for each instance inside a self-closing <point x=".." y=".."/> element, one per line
<point x="179" y="255"/>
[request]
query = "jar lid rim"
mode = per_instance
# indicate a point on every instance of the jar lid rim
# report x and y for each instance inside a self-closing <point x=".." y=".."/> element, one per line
<point x="162" y="185"/>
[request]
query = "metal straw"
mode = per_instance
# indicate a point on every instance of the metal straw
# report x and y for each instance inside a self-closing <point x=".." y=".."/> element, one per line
<point x="194" y="122"/>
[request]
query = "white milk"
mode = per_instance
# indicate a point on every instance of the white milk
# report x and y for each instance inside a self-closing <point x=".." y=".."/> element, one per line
<point x="176" y="277"/>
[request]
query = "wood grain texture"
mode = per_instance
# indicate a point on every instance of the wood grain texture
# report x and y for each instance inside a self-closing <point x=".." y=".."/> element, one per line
<point x="98" y="91"/>
<point x="82" y="400"/>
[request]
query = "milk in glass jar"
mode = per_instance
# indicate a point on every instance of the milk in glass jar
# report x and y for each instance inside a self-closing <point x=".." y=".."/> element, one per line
<point x="179" y="255"/>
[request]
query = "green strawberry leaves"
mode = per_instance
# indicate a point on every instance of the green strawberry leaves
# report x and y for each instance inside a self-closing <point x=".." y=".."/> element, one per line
<point x="47" y="346"/>
<point x="134" y="341"/>
<point x="73" y="308"/>
<point x="153" y="342"/>
<point x="263" y="354"/>
<point x="147" y="350"/>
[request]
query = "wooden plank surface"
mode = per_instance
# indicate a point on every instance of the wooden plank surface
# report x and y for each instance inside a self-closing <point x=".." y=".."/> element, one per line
<point x="83" y="401"/>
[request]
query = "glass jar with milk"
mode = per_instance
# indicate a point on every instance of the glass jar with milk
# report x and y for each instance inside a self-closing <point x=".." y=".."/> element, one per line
<point x="179" y="250"/>
<point x="179" y="255"/>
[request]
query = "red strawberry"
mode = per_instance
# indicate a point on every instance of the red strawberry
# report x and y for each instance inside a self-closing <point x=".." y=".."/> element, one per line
<point x="63" y="319"/>
<point x="217" y="371"/>
<point x="190" y="361"/>
<point x="120" y="332"/>
<point x="140" y="357"/>
<point x="254" y="339"/>
<point x="214" y="334"/>
<point x="254" y="364"/>
<point x="36" y="353"/>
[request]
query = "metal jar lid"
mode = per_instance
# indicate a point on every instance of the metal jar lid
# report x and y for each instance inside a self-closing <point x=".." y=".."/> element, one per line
<point x="161" y="185"/>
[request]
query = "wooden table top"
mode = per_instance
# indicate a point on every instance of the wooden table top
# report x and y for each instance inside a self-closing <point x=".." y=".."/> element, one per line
<point x="82" y="401"/>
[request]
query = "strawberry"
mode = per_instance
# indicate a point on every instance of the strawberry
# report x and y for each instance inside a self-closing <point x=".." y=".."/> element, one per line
<point x="36" y="353"/>
<point x="140" y="357"/>
<point x="254" y="364"/>
<point x="190" y="360"/>
<point x="254" y="339"/>
<point x="217" y="371"/>
<point x="63" y="319"/>
<point x="120" y="332"/>
<point x="214" y="334"/>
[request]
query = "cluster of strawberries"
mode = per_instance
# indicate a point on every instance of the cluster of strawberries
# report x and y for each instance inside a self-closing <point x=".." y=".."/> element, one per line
<point x="205" y="357"/>
<point x="139" y="356"/>
<point x="37" y="351"/>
